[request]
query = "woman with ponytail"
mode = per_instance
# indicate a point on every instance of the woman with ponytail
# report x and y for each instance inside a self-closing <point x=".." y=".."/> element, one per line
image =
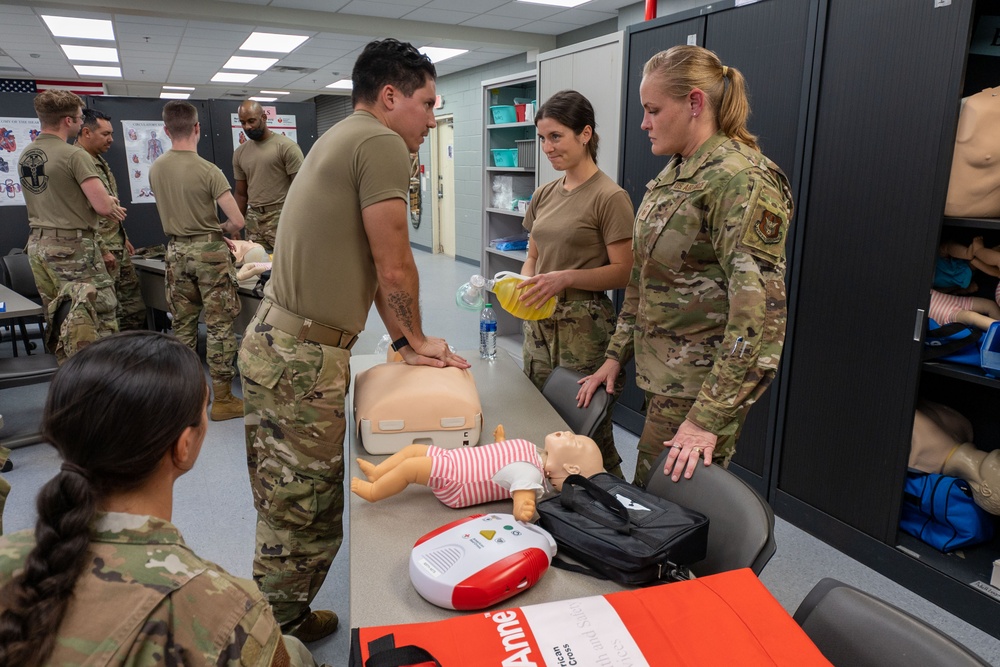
<point x="105" y="578"/>
<point x="704" y="312"/>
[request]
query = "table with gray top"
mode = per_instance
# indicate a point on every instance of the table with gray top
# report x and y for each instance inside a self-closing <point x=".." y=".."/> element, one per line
<point x="382" y="534"/>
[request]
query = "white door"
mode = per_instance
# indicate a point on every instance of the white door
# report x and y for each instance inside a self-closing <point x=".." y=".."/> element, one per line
<point x="443" y="187"/>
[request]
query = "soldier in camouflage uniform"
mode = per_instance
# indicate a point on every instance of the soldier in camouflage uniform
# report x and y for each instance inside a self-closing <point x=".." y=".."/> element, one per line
<point x="581" y="228"/>
<point x="96" y="137"/>
<point x="294" y="359"/>
<point x="263" y="169"/>
<point x="200" y="275"/>
<point x="4" y="484"/>
<point x="705" y="307"/>
<point x="65" y="196"/>
<point x="115" y="583"/>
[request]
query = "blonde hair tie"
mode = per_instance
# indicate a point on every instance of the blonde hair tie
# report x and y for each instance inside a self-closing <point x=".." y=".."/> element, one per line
<point x="725" y="71"/>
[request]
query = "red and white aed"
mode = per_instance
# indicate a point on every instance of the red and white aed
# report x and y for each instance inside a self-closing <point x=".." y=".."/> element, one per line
<point x="478" y="561"/>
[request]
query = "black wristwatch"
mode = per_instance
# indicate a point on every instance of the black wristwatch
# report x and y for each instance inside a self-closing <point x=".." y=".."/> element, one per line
<point x="400" y="343"/>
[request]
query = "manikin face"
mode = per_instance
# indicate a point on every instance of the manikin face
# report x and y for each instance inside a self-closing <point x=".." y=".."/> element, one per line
<point x="564" y="149"/>
<point x="567" y="453"/>
<point x="986" y="490"/>
<point x="667" y="120"/>
<point x="412" y="117"/>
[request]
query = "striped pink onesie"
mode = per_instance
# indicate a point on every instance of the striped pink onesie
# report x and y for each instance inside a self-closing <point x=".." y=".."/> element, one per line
<point x="944" y="307"/>
<point x="463" y="477"/>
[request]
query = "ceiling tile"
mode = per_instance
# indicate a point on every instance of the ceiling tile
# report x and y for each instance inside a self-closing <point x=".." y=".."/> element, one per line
<point x="450" y="17"/>
<point x="318" y="5"/>
<point x="496" y="22"/>
<point x="380" y="9"/>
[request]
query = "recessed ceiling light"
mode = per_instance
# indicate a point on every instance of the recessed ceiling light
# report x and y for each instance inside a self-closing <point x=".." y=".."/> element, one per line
<point x="245" y="62"/>
<point x="272" y="42"/>
<point x="437" y="53"/>
<point x="174" y="96"/>
<point x="263" y="99"/>
<point x="343" y="84"/>
<point x="94" y="70"/>
<point x="65" y="26"/>
<point x="557" y="3"/>
<point x="233" y="77"/>
<point x="96" y="54"/>
<point x="178" y="88"/>
<point x="274" y="92"/>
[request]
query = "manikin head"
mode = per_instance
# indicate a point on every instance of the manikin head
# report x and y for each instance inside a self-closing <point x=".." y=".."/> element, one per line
<point x="567" y="453"/>
<point x="981" y="470"/>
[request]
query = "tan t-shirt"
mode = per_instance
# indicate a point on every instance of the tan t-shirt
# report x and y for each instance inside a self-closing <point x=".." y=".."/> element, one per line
<point x="572" y="229"/>
<point x="266" y="166"/>
<point x="51" y="172"/>
<point x="323" y="267"/>
<point x="186" y="187"/>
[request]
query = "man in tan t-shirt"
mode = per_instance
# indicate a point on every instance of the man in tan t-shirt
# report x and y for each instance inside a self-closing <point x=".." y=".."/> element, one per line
<point x="200" y="272"/>
<point x="343" y="243"/>
<point x="64" y="195"/>
<point x="264" y="168"/>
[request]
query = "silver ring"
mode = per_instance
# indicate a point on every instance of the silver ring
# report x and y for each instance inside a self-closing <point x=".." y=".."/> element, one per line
<point x="676" y="446"/>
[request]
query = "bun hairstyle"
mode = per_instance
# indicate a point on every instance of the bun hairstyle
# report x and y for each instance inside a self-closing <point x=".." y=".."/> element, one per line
<point x="573" y="110"/>
<point x="114" y="410"/>
<point x="680" y="69"/>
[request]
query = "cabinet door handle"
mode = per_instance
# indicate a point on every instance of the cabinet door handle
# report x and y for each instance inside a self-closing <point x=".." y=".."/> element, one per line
<point x="918" y="326"/>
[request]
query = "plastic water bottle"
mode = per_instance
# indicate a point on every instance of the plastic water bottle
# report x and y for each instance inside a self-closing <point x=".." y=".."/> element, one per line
<point x="488" y="333"/>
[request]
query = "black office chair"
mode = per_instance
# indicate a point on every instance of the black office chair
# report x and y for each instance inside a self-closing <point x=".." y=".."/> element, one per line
<point x="741" y="523"/>
<point x="856" y="629"/>
<point x="23" y="371"/>
<point x="560" y="390"/>
<point x="17" y="276"/>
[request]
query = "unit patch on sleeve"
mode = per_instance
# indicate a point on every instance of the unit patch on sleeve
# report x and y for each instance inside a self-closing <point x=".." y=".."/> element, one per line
<point x="765" y="225"/>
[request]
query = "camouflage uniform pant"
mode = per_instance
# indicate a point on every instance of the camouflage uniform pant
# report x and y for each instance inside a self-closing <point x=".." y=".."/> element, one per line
<point x="576" y="336"/>
<point x="201" y="277"/>
<point x="131" y="311"/>
<point x="294" y="394"/>
<point x="262" y="227"/>
<point x="664" y="415"/>
<point x="56" y="262"/>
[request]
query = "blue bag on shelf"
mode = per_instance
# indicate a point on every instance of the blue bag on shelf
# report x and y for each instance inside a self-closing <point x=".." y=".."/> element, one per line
<point x="939" y="510"/>
<point x="955" y="342"/>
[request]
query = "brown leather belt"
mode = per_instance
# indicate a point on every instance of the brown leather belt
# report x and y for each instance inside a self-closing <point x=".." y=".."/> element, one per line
<point x="50" y="232"/>
<point x="199" y="238"/>
<point x="573" y="294"/>
<point x="303" y="328"/>
<point x="268" y="208"/>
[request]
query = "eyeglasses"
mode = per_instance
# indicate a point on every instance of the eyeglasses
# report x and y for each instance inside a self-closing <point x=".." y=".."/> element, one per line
<point x="76" y="118"/>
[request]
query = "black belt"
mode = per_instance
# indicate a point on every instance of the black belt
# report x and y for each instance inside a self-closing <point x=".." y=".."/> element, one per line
<point x="303" y="328"/>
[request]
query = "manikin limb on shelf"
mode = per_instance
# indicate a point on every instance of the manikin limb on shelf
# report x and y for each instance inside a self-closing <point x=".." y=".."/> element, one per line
<point x="513" y="469"/>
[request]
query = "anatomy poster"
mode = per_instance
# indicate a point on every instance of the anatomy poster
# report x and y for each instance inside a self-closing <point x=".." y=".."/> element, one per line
<point x="15" y="135"/>
<point x="279" y="124"/>
<point x="145" y="141"/>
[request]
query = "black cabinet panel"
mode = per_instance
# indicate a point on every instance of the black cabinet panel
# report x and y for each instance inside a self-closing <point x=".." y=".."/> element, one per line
<point x="639" y="165"/>
<point x="887" y="106"/>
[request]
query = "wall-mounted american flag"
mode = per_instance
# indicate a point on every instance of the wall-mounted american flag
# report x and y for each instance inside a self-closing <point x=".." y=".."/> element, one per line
<point x="37" y="86"/>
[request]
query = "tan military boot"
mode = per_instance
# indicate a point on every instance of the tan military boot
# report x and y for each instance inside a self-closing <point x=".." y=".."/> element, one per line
<point x="224" y="404"/>
<point x="318" y="624"/>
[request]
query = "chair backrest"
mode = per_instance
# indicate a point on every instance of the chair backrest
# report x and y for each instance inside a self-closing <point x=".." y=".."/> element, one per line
<point x="560" y="390"/>
<point x="851" y="627"/>
<point x="740" y="522"/>
<point x="17" y="269"/>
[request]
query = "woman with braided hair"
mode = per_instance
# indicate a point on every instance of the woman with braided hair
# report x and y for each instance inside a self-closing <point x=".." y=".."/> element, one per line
<point x="105" y="578"/>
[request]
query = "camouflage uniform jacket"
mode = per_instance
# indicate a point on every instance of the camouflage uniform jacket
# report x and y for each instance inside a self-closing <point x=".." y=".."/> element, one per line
<point x="111" y="231"/>
<point x="705" y="305"/>
<point x="145" y="598"/>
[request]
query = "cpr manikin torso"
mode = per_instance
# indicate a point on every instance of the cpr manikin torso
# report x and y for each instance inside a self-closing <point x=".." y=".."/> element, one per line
<point x="974" y="189"/>
<point x="941" y="444"/>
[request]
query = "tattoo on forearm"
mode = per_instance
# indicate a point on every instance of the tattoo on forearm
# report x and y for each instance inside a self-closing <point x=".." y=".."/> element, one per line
<point x="401" y="304"/>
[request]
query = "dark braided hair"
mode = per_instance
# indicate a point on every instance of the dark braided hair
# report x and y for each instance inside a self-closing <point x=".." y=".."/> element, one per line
<point x="114" y="410"/>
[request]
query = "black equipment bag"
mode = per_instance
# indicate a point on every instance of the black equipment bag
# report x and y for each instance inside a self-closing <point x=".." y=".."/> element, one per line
<point x="621" y="532"/>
